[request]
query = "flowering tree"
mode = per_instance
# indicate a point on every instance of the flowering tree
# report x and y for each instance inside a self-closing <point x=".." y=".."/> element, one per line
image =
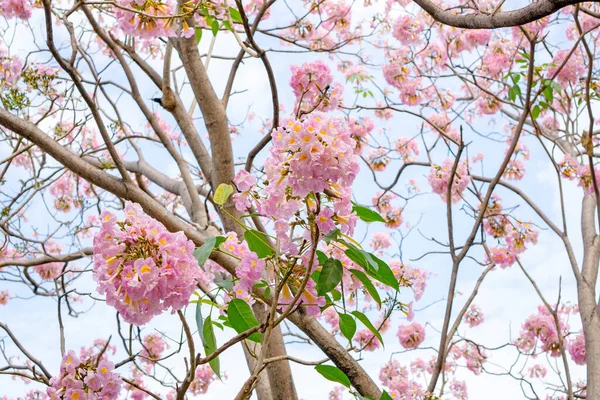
<point x="140" y="181"/>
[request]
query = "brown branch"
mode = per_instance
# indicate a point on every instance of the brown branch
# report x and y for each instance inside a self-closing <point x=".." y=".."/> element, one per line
<point x="532" y="12"/>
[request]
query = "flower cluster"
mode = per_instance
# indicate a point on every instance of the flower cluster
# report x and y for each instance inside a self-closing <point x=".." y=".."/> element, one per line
<point x="411" y="336"/>
<point x="69" y="191"/>
<point x="154" y="346"/>
<point x="399" y="382"/>
<point x="312" y="83"/>
<point x="407" y="148"/>
<point x="4" y="297"/>
<point x="573" y="69"/>
<point x="142" y="268"/>
<point x="537" y="371"/>
<point x="439" y="177"/>
<point x="541" y="329"/>
<point x="202" y="380"/>
<point x="498" y="58"/>
<point x="49" y="271"/>
<point x="380" y="241"/>
<point x="474" y="316"/>
<point x="410" y="276"/>
<point x="315" y="155"/>
<point x="392" y="215"/>
<point x="16" y="9"/>
<point x="516" y="238"/>
<point x="407" y="29"/>
<point x="515" y="169"/>
<point x="10" y="69"/>
<point x="250" y="268"/>
<point x="85" y="379"/>
<point x="149" y="21"/>
<point x="576" y="349"/>
<point x="473" y="355"/>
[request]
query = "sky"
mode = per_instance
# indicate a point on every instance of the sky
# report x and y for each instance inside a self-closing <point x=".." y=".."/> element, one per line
<point x="506" y="296"/>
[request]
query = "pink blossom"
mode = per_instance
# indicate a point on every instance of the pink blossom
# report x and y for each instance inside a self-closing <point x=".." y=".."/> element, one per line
<point x="312" y="83"/>
<point x="576" y="349"/>
<point x="380" y="241"/>
<point x="145" y="25"/>
<point x="49" y="271"/>
<point x="407" y="29"/>
<point x="474" y="316"/>
<point x="154" y="346"/>
<point x="537" y="371"/>
<point x="142" y="268"/>
<point x="407" y="148"/>
<point x="366" y="340"/>
<point x="332" y="318"/>
<point x="4" y="297"/>
<point x="411" y="336"/>
<point x="440" y="175"/>
<point x="95" y="376"/>
<point x="16" y="9"/>
<point x="572" y="70"/>
<point x="202" y="380"/>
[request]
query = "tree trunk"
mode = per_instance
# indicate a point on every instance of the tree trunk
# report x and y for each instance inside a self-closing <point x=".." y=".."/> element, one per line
<point x="586" y="293"/>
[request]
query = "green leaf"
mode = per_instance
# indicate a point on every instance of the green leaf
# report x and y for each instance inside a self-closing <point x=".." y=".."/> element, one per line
<point x="548" y="93"/>
<point x="235" y="14"/>
<point x="373" y="265"/>
<point x="363" y="318"/>
<point x="347" y="326"/>
<point x="222" y="193"/>
<point x="511" y="94"/>
<point x="337" y="296"/>
<point x="242" y="318"/>
<point x="258" y="243"/>
<point x="362" y="277"/>
<point x="199" y="322"/>
<point x="333" y="374"/>
<point x="203" y="252"/>
<point x="322" y="257"/>
<point x="535" y="112"/>
<point x="225" y="284"/>
<point x="198" y="35"/>
<point x="215" y="27"/>
<point x="330" y="276"/>
<point x="210" y="344"/>
<point x="333" y="235"/>
<point x="366" y="214"/>
<point x="359" y="257"/>
<point x="385" y="396"/>
<point x="555" y="86"/>
<point x="517" y="90"/>
<point x="384" y="273"/>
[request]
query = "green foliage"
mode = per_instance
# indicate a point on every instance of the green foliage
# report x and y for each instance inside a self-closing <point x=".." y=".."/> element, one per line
<point x="258" y="243"/>
<point x="333" y="374"/>
<point x="366" y="322"/>
<point x="242" y="318"/>
<point x="330" y="276"/>
<point x="347" y="326"/>
<point x="366" y="214"/>
<point x="203" y="252"/>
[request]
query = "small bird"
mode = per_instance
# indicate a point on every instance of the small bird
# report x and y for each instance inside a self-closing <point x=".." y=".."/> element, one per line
<point x="158" y="100"/>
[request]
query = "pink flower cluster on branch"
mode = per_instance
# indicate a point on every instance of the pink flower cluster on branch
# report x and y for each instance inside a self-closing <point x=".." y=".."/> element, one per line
<point x="440" y="175"/>
<point x="86" y="378"/>
<point x="142" y="268"/>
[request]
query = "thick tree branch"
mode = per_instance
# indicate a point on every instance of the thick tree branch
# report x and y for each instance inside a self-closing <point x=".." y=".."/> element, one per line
<point x="534" y="11"/>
